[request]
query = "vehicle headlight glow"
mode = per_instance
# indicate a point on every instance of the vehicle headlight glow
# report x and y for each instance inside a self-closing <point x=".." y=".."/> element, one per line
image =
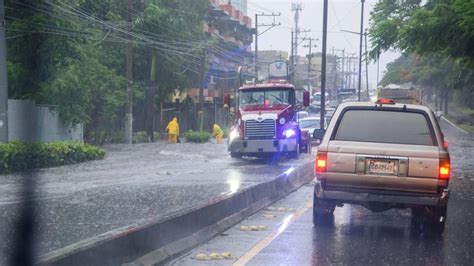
<point x="289" y="133"/>
<point x="239" y="121"/>
<point x="282" y="121"/>
<point x="234" y="134"/>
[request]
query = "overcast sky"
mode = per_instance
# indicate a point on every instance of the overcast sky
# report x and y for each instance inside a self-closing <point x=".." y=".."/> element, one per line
<point x="342" y="15"/>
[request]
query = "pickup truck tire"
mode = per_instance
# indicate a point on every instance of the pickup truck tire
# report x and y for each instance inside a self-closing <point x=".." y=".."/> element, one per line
<point x="430" y="219"/>
<point x="323" y="212"/>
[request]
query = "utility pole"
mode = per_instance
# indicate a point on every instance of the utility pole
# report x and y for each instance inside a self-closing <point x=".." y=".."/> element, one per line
<point x="310" y="57"/>
<point x="296" y="7"/>
<point x="256" y="48"/>
<point x="350" y="69"/>
<point x="295" y="44"/>
<point x="334" y="68"/>
<point x="3" y="78"/>
<point x="150" y="99"/>
<point x="342" y="72"/>
<point x="129" y="77"/>
<point x="360" y="48"/>
<point x="201" y="90"/>
<point x="323" y="64"/>
<point x="257" y="33"/>
<point x="349" y="72"/>
<point x="366" y="65"/>
<point x="292" y="58"/>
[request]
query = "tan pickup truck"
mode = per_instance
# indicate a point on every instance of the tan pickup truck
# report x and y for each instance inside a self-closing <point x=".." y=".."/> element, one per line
<point x="383" y="155"/>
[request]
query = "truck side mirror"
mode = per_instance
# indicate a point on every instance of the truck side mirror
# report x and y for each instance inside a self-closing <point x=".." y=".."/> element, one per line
<point x="318" y="134"/>
<point x="227" y="99"/>
<point x="306" y="98"/>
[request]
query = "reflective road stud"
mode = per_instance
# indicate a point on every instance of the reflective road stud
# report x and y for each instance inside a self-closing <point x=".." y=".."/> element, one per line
<point x="215" y="256"/>
<point x="227" y="255"/>
<point x="244" y="228"/>
<point x="254" y="228"/>
<point x="201" y="256"/>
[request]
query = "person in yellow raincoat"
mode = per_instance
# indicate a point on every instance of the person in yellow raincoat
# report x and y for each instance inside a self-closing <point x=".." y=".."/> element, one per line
<point x="173" y="131"/>
<point x="218" y="133"/>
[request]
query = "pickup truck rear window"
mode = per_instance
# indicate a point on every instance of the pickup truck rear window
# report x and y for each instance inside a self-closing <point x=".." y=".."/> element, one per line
<point x="384" y="127"/>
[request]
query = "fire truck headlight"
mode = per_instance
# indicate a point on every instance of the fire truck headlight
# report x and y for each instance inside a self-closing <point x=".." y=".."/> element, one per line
<point x="289" y="133"/>
<point x="282" y="121"/>
<point x="234" y="134"/>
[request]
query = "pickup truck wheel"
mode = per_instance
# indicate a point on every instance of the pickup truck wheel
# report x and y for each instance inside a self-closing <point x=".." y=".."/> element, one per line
<point x="323" y="212"/>
<point x="437" y="219"/>
<point x="235" y="155"/>
<point x="430" y="220"/>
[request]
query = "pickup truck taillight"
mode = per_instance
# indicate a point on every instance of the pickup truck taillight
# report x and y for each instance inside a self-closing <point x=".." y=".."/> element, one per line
<point x="444" y="169"/>
<point x="321" y="162"/>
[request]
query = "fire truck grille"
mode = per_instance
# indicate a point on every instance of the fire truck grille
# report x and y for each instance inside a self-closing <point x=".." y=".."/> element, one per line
<point x="264" y="129"/>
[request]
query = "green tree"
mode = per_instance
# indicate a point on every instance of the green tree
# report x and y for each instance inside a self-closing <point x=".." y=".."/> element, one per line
<point x="71" y="53"/>
<point x="436" y="35"/>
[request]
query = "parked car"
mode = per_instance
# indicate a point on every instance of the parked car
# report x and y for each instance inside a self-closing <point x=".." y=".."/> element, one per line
<point x="330" y="111"/>
<point x="383" y="156"/>
<point x="301" y="114"/>
<point x="311" y="123"/>
<point x="332" y="104"/>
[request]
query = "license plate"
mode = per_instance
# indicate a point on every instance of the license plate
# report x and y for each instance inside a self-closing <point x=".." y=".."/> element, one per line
<point x="382" y="167"/>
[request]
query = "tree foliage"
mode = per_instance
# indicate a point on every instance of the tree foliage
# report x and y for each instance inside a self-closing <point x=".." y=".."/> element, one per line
<point x="71" y="53"/>
<point x="436" y="37"/>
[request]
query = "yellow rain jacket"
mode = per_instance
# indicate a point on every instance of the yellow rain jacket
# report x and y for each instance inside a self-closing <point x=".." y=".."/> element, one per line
<point x="217" y="130"/>
<point x="173" y="127"/>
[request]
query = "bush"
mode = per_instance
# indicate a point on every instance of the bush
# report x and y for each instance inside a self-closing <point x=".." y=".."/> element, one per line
<point x="198" y="136"/>
<point x="20" y="156"/>
<point x="142" y="137"/>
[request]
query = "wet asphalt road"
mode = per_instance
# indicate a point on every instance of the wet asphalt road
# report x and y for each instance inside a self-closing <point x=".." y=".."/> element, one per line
<point x="133" y="185"/>
<point x="357" y="236"/>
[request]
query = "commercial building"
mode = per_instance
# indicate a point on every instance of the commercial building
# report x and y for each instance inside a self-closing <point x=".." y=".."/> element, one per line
<point x="229" y="27"/>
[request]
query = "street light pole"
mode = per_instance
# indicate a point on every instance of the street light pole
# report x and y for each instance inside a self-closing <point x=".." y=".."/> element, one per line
<point x="323" y="63"/>
<point x="360" y="48"/>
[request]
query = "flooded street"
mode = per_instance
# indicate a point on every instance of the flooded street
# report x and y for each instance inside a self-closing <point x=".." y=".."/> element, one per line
<point x="133" y="185"/>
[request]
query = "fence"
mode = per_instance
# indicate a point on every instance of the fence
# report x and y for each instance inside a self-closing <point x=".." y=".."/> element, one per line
<point x="187" y="115"/>
<point x="29" y="122"/>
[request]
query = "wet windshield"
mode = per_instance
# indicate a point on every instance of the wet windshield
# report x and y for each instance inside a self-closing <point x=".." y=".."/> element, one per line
<point x="265" y="97"/>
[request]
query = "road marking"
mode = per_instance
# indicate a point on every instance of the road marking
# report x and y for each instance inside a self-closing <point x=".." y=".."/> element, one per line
<point x="244" y="259"/>
<point x="214" y="256"/>
<point x="454" y="125"/>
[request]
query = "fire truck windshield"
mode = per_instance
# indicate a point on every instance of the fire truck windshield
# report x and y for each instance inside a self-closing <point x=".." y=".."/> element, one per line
<point x="265" y="97"/>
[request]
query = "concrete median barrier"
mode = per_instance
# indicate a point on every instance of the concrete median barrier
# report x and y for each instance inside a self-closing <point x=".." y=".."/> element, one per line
<point x="156" y="241"/>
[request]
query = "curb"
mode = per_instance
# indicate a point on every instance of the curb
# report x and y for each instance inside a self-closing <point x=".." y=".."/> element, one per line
<point x="165" y="238"/>
<point x="447" y="120"/>
<point x="454" y="125"/>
